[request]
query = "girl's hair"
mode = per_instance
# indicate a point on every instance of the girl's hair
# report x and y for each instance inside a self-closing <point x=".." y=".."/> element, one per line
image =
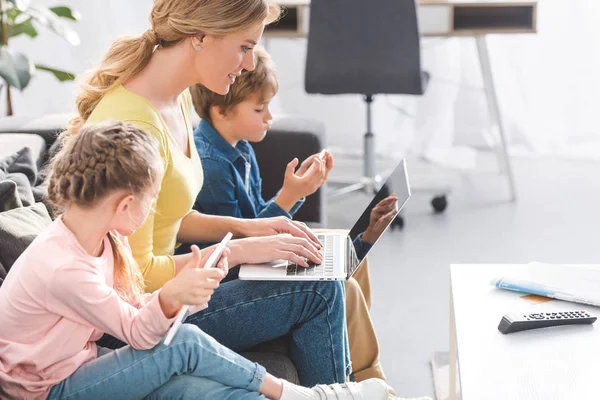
<point x="172" y="21"/>
<point x="99" y="160"/>
<point x="261" y="81"/>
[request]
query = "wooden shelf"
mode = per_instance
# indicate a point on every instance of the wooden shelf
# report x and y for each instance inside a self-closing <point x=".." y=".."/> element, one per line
<point x="436" y="18"/>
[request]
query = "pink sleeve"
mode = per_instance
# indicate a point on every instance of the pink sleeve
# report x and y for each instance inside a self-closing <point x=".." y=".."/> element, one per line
<point x="79" y="292"/>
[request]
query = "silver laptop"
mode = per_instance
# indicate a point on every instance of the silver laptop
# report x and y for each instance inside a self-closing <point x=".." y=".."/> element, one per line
<point x="343" y="253"/>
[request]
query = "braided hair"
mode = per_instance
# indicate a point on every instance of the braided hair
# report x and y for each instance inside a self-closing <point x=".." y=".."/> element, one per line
<point x="99" y="160"/>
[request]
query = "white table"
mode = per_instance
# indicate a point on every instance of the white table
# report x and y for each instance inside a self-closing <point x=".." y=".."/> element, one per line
<point x="555" y="363"/>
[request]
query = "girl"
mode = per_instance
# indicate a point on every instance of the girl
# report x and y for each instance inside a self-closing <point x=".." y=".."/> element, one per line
<point x="77" y="280"/>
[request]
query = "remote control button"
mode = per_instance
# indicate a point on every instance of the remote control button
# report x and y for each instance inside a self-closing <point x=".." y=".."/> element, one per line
<point x="536" y="316"/>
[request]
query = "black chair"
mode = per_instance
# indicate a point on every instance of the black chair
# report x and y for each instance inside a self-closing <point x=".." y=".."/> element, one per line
<point x="368" y="48"/>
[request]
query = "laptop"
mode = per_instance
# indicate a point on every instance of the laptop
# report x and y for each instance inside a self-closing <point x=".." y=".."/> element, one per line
<point x="343" y="252"/>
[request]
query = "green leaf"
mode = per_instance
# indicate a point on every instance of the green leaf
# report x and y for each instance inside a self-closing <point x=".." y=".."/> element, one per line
<point x="66" y="12"/>
<point x="13" y="13"/>
<point x="25" y="27"/>
<point x="62" y="76"/>
<point x="15" y="68"/>
<point x="49" y="19"/>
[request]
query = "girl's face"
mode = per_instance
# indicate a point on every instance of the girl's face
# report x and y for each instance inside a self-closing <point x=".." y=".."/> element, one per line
<point x="221" y="59"/>
<point x="133" y="210"/>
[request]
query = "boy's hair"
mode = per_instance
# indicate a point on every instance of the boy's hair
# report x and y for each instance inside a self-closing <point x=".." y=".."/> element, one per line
<point x="262" y="81"/>
<point x="98" y="160"/>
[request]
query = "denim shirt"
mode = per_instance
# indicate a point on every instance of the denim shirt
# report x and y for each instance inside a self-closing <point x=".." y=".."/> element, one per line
<point x="232" y="184"/>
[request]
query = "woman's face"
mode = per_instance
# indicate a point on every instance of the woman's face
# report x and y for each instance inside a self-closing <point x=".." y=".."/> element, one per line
<point x="221" y="59"/>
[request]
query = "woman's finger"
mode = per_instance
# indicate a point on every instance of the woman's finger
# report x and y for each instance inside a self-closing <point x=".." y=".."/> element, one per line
<point x="306" y="233"/>
<point x="292" y="257"/>
<point x="305" y="249"/>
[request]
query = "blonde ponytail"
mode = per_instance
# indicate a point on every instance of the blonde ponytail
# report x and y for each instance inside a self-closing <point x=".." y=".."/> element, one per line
<point x="126" y="58"/>
<point x="128" y="279"/>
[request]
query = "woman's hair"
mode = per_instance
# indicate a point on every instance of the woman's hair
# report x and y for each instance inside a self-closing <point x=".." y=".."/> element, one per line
<point x="261" y="81"/>
<point x="172" y="21"/>
<point x="99" y="160"/>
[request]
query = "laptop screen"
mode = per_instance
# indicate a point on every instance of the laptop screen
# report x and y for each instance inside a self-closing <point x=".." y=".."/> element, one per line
<point x="380" y="213"/>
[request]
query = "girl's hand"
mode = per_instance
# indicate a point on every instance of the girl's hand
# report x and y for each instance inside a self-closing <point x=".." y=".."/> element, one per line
<point x="193" y="285"/>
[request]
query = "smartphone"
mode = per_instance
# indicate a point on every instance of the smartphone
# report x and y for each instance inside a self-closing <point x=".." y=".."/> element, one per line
<point x="210" y="263"/>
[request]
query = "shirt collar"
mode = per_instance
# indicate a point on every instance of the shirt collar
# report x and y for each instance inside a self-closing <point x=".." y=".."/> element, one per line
<point x="220" y="144"/>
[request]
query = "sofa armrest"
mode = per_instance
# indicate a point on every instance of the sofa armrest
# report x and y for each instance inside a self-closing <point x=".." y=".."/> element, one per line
<point x="288" y="138"/>
<point x="48" y="126"/>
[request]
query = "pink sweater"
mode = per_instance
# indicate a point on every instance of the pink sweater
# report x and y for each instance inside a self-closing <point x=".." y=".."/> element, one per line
<point x="56" y="302"/>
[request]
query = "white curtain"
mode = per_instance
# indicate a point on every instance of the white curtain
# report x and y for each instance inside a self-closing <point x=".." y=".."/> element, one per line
<point x="548" y="85"/>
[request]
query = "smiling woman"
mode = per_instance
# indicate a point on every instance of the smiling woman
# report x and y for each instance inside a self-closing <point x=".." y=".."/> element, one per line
<point x="144" y="80"/>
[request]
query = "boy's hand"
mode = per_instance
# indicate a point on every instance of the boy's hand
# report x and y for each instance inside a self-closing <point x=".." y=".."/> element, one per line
<point x="310" y="176"/>
<point x="324" y="155"/>
<point x="380" y="217"/>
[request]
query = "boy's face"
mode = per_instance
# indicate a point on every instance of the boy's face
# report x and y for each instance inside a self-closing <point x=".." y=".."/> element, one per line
<point x="251" y="119"/>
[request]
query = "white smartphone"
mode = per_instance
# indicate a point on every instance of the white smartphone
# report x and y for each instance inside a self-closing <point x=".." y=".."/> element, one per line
<point x="210" y="263"/>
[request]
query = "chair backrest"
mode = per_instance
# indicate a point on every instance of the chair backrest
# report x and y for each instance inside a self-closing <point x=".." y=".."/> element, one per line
<point x="364" y="47"/>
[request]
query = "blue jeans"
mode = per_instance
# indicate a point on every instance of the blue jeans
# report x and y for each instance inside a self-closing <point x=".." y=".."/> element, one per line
<point x="242" y="314"/>
<point x="193" y="366"/>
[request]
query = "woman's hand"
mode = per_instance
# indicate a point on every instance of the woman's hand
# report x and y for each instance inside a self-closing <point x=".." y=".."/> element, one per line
<point x="259" y="250"/>
<point x="277" y="225"/>
<point x="194" y="285"/>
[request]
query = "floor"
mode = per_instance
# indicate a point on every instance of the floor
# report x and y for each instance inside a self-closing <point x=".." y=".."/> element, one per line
<point x="554" y="220"/>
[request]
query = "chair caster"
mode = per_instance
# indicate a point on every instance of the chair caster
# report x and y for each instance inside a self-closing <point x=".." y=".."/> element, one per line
<point x="439" y="204"/>
<point x="398" y="222"/>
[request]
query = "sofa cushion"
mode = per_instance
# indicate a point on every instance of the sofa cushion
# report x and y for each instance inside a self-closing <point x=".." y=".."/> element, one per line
<point x="20" y="168"/>
<point x="18" y="228"/>
<point x="276" y="364"/>
<point x="9" y="198"/>
<point x="12" y="142"/>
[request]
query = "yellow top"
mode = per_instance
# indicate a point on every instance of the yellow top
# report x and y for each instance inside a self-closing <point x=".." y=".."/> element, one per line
<point x="154" y="242"/>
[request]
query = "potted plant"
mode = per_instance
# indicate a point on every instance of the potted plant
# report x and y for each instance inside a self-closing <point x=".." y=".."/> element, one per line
<point x="23" y="17"/>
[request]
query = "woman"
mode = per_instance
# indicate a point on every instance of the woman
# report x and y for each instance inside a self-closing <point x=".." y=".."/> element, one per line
<point x="144" y="81"/>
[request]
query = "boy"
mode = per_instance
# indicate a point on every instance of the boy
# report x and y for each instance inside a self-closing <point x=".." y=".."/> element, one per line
<point x="232" y="185"/>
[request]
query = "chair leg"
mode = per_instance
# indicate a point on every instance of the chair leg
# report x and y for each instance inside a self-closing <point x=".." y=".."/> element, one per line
<point x="370" y="182"/>
<point x="494" y="108"/>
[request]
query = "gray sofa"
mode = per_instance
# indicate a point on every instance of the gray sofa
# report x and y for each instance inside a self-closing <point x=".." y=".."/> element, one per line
<point x="24" y="146"/>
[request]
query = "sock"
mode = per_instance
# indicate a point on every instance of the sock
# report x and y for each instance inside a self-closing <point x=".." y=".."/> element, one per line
<point x="295" y="392"/>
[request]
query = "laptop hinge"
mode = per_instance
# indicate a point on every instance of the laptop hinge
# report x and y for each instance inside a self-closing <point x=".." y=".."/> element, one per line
<point x="350" y="257"/>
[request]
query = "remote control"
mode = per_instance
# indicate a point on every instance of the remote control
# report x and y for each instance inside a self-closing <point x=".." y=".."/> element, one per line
<point x="521" y="322"/>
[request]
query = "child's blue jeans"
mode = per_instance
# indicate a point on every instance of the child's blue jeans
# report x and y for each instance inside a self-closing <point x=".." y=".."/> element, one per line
<point x="193" y="366"/>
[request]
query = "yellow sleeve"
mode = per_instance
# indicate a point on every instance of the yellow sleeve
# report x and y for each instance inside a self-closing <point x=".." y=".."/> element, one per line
<point x="157" y="270"/>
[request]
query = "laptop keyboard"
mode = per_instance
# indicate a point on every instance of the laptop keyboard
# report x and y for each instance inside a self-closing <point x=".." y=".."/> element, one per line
<point x="324" y="269"/>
